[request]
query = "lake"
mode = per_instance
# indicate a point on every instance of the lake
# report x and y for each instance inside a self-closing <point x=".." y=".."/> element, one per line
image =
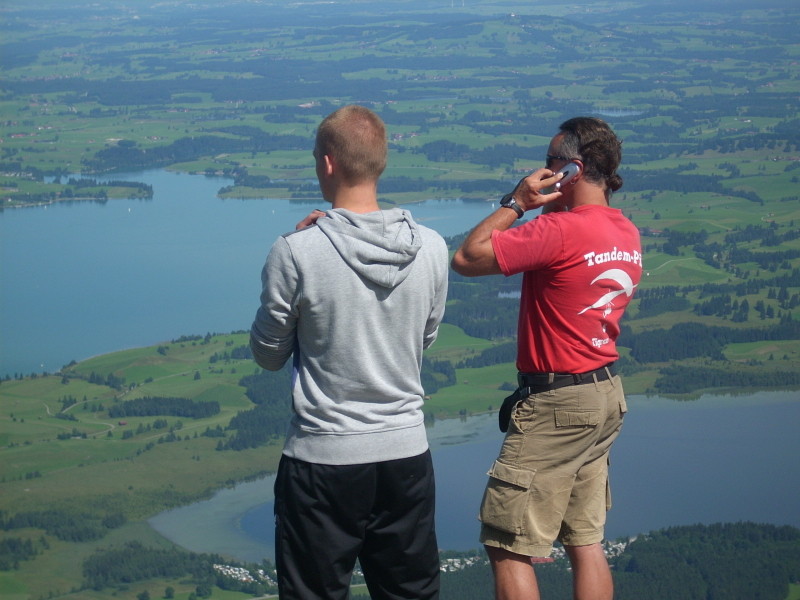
<point x="715" y="459"/>
<point x="85" y="278"/>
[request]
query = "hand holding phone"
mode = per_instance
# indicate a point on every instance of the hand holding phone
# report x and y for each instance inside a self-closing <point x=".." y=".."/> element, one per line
<point x="570" y="172"/>
<point x="527" y="195"/>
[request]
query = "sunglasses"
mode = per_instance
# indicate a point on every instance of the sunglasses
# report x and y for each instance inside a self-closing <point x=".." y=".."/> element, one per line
<point x="550" y="159"/>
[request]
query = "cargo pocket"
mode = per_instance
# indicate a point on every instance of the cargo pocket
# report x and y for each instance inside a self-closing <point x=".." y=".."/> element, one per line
<point x="577" y="418"/>
<point x="506" y="498"/>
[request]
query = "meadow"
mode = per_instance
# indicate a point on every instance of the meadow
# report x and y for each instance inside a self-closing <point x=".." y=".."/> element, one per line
<point x="96" y="465"/>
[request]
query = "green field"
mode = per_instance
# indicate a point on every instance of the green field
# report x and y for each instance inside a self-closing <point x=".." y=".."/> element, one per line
<point x="98" y="468"/>
<point x="703" y="94"/>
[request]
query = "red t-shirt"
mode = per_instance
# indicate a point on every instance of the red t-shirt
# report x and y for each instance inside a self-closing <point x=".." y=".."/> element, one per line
<point x="580" y="268"/>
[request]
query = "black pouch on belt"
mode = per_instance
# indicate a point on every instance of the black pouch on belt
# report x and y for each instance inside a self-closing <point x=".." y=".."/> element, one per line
<point x="504" y="416"/>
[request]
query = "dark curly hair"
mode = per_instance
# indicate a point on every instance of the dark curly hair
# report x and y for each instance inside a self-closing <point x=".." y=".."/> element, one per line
<point x="592" y="141"/>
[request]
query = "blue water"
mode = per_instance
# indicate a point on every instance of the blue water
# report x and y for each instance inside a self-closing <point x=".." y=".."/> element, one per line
<point x="717" y="459"/>
<point x="81" y="279"/>
<point x="675" y="464"/>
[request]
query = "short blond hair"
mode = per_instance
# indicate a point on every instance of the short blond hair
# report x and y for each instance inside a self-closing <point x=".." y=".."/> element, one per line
<point x="355" y="137"/>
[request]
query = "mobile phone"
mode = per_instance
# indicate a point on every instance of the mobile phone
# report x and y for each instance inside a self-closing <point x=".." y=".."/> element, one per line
<point x="570" y="172"/>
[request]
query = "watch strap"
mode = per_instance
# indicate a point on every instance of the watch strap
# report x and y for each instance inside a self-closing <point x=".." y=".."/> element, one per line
<point x="508" y="201"/>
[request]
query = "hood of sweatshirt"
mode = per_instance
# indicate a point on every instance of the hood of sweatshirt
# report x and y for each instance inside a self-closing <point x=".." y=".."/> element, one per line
<point x="380" y="246"/>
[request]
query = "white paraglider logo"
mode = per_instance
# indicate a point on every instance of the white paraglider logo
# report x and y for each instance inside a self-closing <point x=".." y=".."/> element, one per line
<point x="621" y="278"/>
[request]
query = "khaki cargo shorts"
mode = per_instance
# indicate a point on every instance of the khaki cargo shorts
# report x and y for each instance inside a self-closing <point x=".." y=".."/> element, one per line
<point x="550" y="481"/>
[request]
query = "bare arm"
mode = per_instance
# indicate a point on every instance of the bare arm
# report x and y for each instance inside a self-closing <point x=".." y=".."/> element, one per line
<point x="476" y="255"/>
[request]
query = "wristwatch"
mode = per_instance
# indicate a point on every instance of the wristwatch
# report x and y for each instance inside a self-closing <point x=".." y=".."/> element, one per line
<point x="508" y="201"/>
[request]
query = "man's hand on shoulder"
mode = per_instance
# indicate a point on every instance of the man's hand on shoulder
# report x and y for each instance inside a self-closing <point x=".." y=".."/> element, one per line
<point x="311" y="219"/>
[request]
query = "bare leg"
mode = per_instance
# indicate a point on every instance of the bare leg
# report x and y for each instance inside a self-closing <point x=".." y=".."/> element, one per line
<point x="514" y="578"/>
<point x="591" y="576"/>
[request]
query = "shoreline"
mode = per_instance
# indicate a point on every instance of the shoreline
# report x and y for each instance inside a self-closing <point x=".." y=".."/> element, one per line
<point x="457" y="440"/>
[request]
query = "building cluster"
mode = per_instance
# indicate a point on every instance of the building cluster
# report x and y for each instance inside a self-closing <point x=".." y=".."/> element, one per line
<point x="612" y="549"/>
<point x="617" y="547"/>
<point x="244" y="575"/>
<point x="452" y="565"/>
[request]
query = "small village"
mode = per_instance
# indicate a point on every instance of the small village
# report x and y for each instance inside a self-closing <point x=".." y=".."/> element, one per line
<point x="451" y="564"/>
<point x="245" y="576"/>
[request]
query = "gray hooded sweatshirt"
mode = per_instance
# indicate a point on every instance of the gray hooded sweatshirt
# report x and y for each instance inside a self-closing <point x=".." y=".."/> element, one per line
<point x="355" y="300"/>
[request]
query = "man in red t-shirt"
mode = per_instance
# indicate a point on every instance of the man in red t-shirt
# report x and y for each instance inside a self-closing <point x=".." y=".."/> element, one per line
<point x="581" y="262"/>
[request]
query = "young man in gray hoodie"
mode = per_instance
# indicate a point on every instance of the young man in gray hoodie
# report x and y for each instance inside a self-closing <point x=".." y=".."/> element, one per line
<point x="354" y="295"/>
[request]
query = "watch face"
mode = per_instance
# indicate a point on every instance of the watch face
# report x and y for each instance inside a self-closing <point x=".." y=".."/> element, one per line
<point x="508" y="201"/>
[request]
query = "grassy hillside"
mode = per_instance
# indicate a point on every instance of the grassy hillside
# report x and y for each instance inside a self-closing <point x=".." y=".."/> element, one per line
<point x="62" y="452"/>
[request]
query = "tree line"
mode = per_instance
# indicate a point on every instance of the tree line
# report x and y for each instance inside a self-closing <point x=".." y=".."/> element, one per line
<point x="741" y="561"/>
<point x="64" y="524"/>
<point x="436" y="374"/>
<point x="696" y="340"/>
<point x="270" y="391"/>
<point x="483" y="307"/>
<point x="149" y="406"/>
<point x="16" y="549"/>
<point x="687" y="379"/>
<point x="127" y="155"/>
<point x="133" y="562"/>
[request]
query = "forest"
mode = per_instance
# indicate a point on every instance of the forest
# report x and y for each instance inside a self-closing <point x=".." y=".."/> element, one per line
<point x="742" y="561"/>
<point x="159" y="405"/>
